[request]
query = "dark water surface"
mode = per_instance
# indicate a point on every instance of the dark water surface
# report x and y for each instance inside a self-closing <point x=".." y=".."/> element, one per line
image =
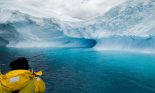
<point x="88" y="71"/>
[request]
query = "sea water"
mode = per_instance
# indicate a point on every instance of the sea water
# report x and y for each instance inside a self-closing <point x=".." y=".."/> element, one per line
<point x="71" y="70"/>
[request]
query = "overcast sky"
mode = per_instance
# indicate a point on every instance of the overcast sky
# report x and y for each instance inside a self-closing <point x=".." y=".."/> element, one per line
<point x="65" y="9"/>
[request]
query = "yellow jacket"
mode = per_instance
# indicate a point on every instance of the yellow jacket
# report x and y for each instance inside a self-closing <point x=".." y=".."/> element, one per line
<point x="24" y="81"/>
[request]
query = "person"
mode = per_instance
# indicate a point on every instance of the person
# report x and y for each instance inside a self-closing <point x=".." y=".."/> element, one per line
<point x="20" y="79"/>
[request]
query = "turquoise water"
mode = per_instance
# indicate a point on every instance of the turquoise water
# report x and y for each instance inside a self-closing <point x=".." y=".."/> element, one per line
<point x="88" y="71"/>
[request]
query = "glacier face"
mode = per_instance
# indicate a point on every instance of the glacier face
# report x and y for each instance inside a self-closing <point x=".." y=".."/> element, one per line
<point x="128" y="26"/>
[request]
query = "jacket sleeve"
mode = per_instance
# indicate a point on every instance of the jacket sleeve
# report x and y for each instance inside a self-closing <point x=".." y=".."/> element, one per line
<point x="39" y="85"/>
<point x="0" y="88"/>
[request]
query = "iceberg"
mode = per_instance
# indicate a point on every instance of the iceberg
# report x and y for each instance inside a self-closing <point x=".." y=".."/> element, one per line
<point x="129" y="26"/>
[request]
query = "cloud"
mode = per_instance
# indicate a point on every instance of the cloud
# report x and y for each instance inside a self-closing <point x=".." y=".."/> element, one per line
<point x="64" y="9"/>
